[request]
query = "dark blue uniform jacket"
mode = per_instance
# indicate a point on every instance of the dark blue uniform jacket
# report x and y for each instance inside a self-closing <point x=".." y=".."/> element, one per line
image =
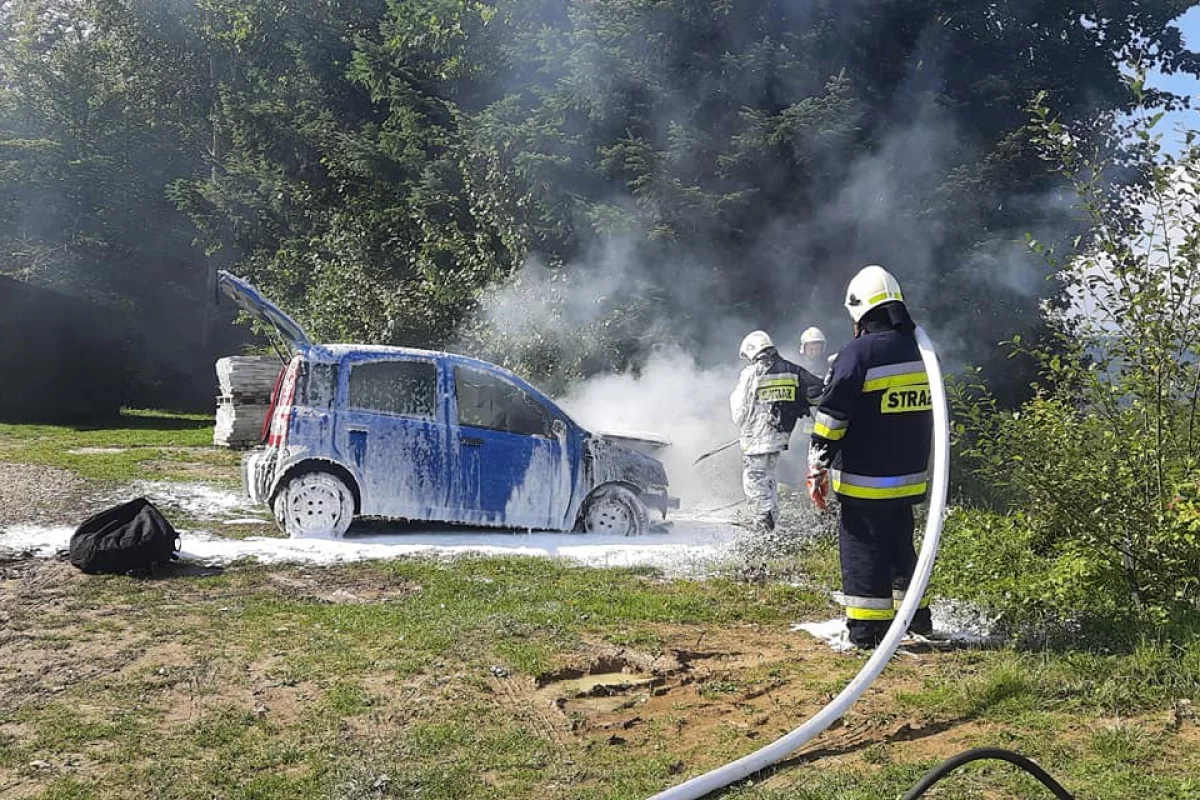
<point x="873" y="423"/>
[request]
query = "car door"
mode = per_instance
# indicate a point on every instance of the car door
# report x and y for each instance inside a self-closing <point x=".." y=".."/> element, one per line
<point x="391" y="424"/>
<point x="512" y="466"/>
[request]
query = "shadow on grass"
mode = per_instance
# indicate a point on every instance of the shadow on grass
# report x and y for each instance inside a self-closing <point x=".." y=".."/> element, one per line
<point x="851" y="743"/>
<point x="146" y="421"/>
<point x="172" y="571"/>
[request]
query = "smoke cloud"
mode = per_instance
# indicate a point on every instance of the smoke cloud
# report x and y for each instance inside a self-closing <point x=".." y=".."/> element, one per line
<point x="662" y="323"/>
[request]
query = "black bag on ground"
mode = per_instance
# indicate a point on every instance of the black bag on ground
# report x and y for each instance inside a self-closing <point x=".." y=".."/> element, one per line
<point x="131" y="537"/>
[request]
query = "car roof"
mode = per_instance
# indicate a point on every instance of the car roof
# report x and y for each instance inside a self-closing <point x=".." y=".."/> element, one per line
<point x="337" y="352"/>
<point x="340" y="351"/>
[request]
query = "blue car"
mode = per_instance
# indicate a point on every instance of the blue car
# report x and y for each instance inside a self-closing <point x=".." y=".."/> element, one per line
<point x="399" y="433"/>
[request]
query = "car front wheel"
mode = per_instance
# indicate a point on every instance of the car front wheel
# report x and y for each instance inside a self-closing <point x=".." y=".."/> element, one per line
<point x="314" y="504"/>
<point x="616" y="511"/>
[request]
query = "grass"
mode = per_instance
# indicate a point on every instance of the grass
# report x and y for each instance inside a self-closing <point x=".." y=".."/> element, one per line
<point x="143" y="444"/>
<point x="223" y="686"/>
<point x="430" y="679"/>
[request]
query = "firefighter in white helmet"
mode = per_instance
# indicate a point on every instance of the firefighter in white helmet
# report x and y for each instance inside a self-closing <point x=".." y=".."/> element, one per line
<point x="870" y="442"/>
<point x="812" y="351"/>
<point x="771" y="394"/>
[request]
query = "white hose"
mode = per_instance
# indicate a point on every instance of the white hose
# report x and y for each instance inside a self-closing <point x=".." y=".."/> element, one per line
<point x="781" y="748"/>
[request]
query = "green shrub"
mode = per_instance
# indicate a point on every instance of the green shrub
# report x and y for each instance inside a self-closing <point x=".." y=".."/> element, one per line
<point x="1092" y="485"/>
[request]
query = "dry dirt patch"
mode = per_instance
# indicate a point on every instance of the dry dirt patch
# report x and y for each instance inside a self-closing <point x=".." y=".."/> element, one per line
<point x="355" y="588"/>
<point x="747" y="682"/>
<point x="35" y="495"/>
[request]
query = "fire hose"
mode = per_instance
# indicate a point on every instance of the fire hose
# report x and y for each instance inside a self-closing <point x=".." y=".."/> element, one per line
<point x="780" y="749"/>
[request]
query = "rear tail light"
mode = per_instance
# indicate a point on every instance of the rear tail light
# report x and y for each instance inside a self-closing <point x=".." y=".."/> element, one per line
<point x="280" y="413"/>
<point x="270" y="416"/>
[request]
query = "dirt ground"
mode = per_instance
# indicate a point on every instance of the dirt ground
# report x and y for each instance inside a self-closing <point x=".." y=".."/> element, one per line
<point x="750" y="682"/>
<point x="35" y="495"/>
<point x="743" y="685"/>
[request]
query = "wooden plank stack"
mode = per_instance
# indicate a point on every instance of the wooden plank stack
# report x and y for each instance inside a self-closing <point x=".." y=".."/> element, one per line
<point x="246" y="383"/>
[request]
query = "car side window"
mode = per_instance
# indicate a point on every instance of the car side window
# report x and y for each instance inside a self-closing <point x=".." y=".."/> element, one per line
<point x="489" y="401"/>
<point x="404" y="388"/>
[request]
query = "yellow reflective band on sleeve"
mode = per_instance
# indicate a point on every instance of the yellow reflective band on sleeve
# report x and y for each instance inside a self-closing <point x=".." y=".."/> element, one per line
<point x="829" y="427"/>
<point x="903" y="399"/>
<point x="867" y="614"/>
<point x="825" y="432"/>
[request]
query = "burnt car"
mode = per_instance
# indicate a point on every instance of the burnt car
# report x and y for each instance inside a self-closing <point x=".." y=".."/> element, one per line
<point x="400" y="433"/>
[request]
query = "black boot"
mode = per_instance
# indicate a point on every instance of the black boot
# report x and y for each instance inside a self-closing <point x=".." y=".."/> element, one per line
<point x="922" y="623"/>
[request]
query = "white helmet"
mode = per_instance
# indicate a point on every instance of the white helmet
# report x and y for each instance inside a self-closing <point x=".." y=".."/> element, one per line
<point x="813" y="334"/>
<point x="872" y="286"/>
<point x="754" y="344"/>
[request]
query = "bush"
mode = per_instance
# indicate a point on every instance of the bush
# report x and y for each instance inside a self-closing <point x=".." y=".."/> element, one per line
<point x="1091" y="487"/>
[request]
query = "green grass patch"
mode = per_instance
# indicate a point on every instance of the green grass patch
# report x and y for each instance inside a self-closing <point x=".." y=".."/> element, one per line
<point x="140" y="444"/>
<point x="236" y="688"/>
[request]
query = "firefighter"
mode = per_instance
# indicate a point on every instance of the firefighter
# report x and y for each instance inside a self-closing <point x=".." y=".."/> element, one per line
<point x="812" y="351"/>
<point x="771" y="394"/>
<point x="870" y="443"/>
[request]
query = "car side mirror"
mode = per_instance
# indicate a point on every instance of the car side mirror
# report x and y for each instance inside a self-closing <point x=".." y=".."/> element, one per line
<point x="558" y="429"/>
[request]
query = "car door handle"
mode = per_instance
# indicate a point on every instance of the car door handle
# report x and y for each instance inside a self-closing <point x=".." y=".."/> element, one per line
<point x="470" y="441"/>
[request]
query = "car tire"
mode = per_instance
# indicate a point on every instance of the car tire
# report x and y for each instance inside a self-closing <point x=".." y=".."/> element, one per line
<point x="314" y="505"/>
<point x="616" y="511"/>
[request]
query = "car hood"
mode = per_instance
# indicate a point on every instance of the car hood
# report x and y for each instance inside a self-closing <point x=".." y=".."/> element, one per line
<point x="611" y="462"/>
<point x="247" y="298"/>
<point x="636" y="440"/>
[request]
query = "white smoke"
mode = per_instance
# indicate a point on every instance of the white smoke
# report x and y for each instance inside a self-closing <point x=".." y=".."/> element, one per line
<point x="671" y="396"/>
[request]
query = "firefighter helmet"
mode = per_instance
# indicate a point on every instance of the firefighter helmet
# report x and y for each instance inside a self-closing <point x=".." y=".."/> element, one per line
<point x="813" y="334"/>
<point x="754" y="344"/>
<point x="872" y="286"/>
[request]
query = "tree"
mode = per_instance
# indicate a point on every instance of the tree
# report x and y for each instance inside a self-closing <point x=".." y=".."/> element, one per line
<point x="752" y="152"/>
<point x="1099" y="472"/>
<point x="99" y="112"/>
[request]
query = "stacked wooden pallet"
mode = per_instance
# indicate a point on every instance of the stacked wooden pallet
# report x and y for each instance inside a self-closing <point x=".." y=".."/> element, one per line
<point x="246" y="383"/>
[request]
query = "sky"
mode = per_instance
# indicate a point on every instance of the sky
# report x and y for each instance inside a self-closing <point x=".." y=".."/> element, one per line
<point x="1189" y="26"/>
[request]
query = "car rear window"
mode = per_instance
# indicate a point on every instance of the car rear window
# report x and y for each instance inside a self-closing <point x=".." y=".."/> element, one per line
<point x="405" y="388"/>
<point x="489" y="401"/>
<point x="316" y="385"/>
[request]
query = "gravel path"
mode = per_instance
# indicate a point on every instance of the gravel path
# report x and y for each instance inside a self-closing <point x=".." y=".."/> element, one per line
<point x="34" y="495"/>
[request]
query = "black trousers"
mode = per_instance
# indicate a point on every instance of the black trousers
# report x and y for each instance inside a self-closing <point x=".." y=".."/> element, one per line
<point x="875" y="543"/>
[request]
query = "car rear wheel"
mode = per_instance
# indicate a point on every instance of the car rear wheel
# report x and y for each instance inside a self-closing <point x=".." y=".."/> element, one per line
<point x="616" y="511"/>
<point x="314" y="504"/>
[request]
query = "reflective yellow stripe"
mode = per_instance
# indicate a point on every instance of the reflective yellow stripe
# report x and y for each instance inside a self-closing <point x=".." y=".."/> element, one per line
<point x="776" y="394"/>
<point x="874" y="493"/>
<point x="825" y="432"/>
<point x="853" y="612"/>
<point x="779" y="389"/>
<point x="858" y="601"/>
<point x="903" y="379"/>
<point x="879" y="298"/>
<point x="898" y="598"/>
<point x="879" y="487"/>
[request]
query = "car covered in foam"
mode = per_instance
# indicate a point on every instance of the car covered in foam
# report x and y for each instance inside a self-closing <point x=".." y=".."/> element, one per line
<point x="401" y="433"/>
